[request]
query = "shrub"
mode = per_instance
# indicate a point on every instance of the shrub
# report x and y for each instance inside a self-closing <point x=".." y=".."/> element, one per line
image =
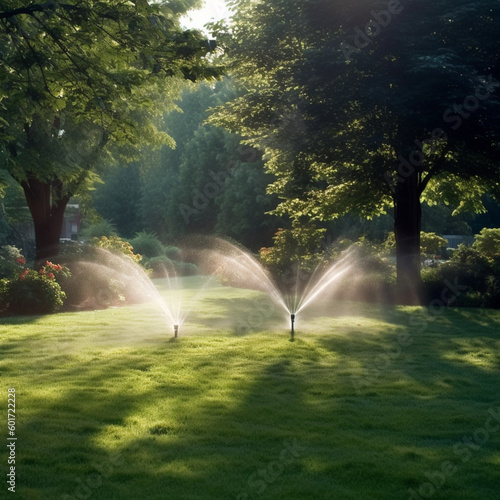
<point x="147" y="244"/>
<point x="474" y="264"/>
<point x="470" y="298"/>
<point x="116" y="244"/>
<point x="488" y="242"/>
<point x="34" y="293"/>
<point x="377" y="265"/>
<point x="104" y="274"/>
<point x="186" y="269"/>
<point x="173" y="253"/>
<point x="95" y="286"/>
<point x="467" y="267"/>
<point x="68" y="248"/>
<point x="161" y="266"/>
<point x="431" y="244"/>
<point x="294" y="248"/>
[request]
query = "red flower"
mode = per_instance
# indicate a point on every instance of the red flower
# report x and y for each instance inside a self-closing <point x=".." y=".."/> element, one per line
<point x="21" y="260"/>
<point x="24" y="274"/>
<point x="51" y="276"/>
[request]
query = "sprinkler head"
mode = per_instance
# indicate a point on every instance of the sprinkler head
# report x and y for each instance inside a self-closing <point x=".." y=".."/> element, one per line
<point x="292" y="318"/>
<point x="176" y="330"/>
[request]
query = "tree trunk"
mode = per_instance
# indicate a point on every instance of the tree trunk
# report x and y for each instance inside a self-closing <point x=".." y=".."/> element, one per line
<point x="47" y="210"/>
<point x="407" y="225"/>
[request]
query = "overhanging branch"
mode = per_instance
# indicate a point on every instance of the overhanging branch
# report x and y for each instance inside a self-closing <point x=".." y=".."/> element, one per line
<point x="37" y="7"/>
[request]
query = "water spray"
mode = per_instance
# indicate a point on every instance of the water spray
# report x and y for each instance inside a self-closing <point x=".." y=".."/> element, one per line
<point x="176" y="330"/>
<point x="292" y="330"/>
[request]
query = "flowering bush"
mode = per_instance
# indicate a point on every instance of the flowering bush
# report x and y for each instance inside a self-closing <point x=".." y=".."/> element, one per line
<point x="116" y="244"/>
<point x="54" y="271"/>
<point x="35" y="292"/>
<point x="11" y="261"/>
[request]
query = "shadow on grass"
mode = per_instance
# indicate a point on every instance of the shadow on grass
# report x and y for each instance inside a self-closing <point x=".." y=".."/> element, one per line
<point x="19" y="320"/>
<point x="240" y="315"/>
<point x="290" y="425"/>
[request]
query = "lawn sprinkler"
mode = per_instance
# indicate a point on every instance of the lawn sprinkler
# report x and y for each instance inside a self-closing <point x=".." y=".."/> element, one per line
<point x="292" y="331"/>
<point x="176" y="330"/>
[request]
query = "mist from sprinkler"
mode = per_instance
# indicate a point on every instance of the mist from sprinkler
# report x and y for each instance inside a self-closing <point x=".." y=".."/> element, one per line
<point x="238" y="267"/>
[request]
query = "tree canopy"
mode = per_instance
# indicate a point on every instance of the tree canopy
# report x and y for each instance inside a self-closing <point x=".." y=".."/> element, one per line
<point x="209" y="183"/>
<point x="365" y="105"/>
<point x="82" y="77"/>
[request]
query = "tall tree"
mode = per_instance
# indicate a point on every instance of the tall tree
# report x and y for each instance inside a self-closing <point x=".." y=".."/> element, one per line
<point x="82" y="77"/>
<point x="365" y="105"/>
<point x="209" y="183"/>
<point x="243" y="206"/>
<point x="118" y="199"/>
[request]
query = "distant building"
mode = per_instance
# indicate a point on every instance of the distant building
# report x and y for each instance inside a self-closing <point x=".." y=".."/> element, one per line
<point x="71" y="223"/>
<point x="457" y="239"/>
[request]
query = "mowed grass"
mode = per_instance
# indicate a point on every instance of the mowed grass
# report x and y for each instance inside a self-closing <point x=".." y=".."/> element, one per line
<point x="368" y="402"/>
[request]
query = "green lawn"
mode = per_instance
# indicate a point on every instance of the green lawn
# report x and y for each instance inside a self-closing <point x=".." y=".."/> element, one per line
<point x="369" y="402"/>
